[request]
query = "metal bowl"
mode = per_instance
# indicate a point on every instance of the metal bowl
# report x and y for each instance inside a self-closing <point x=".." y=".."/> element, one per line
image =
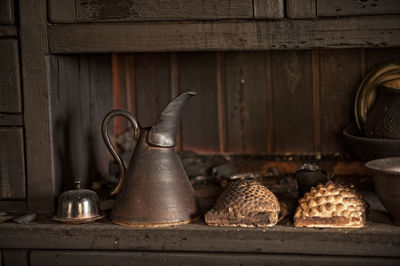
<point x="386" y="175"/>
<point x="78" y="206"/>
<point x="367" y="149"/>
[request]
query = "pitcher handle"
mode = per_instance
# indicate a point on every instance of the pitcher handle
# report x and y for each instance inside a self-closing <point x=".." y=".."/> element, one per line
<point x="109" y="145"/>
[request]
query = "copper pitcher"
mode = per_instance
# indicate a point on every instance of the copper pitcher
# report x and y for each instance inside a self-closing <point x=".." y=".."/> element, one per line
<point x="154" y="190"/>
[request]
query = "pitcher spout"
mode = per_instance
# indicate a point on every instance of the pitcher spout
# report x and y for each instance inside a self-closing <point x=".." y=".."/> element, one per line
<point x="163" y="132"/>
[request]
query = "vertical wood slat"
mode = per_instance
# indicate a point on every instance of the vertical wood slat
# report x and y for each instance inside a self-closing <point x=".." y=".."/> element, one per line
<point x="175" y="92"/>
<point x="270" y="109"/>
<point x="246" y="102"/>
<point x="316" y="100"/>
<point x="81" y="97"/>
<point x="12" y="164"/>
<point x="375" y="57"/>
<point x="340" y="76"/>
<point x="292" y="101"/>
<point x="10" y="91"/>
<point x="198" y="72"/>
<point x="153" y="83"/>
<point x="62" y="11"/>
<point x="33" y="40"/>
<point x="221" y="102"/>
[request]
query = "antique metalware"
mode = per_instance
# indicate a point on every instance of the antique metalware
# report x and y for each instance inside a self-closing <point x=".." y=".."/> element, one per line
<point x="78" y="206"/>
<point x="367" y="91"/>
<point x="309" y="175"/>
<point x="386" y="175"/>
<point x="383" y="120"/>
<point x="154" y="190"/>
<point x="367" y="149"/>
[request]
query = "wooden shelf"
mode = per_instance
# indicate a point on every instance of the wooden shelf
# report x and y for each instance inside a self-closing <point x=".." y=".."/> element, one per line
<point x="347" y="32"/>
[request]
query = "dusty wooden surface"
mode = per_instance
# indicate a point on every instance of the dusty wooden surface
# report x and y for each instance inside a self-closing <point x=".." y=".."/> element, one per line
<point x="372" y="31"/>
<point x="7" y="12"/>
<point x="8" y="30"/>
<point x="379" y="238"/>
<point x="301" y="8"/>
<point x="357" y="7"/>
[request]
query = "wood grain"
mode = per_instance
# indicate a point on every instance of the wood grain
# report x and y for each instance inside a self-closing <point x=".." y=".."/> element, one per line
<point x="153" y="90"/>
<point x="373" y="31"/>
<point x="79" y="11"/>
<point x="11" y="120"/>
<point x="292" y="101"/>
<point x="33" y="41"/>
<point x="269" y="9"/>
<point x="8" y="31"/>
<point x="15" y="257"/>
<point x="12" y="164"/>
<point x="340" y="76"/>
<point x="198" y="72"/>
<point x="7" y="12"/>
<point x="375" y="57"/>
<point x="301" y="8"/>
<point x="10" y="88"/>
<point x="246" y="102"/>
<point x="357" y="7"/>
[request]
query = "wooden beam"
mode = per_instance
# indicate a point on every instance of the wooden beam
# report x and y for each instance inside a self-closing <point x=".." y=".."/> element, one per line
<point x="83" y="11"/>
<point x="379" y="239"/>
<point x="350" y="32"/>
<point x="269" y="9"/>
<point x="357" y="7"/>
<point x="39" y="154"/>
<point x="6" y="12"/>
<point x="11" y="120"/>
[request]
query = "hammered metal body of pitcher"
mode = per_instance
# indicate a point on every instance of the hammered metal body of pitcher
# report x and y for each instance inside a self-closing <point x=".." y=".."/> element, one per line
<point x="154" y="190"/>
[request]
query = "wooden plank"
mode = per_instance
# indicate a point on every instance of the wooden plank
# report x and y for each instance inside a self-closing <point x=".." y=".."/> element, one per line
<point x="33" y="41"/>
<point x="139" y="10"/>
<point x="292" y="101"/>
<point x="153" y="90"/>
<point x="380" y="239"/>
<point x="61" y="11"/>
<point x="357" y="7"/>
<point x="340" y="74"/>
<point x="86" y="258"/>
<point x="301" y="8"/>
<point x="12" y="164"/>
<point x="374" y="31"/>
<point x="246" y="102"/>
<point x="269" y="9"/>
<point x="198" y="72"/>
<point x="8" y="31"/>
<point x="7" y="12"/>
<point x="11" y="120"/>
<point x="10" y="91"/>
<point x="15" y="257"/>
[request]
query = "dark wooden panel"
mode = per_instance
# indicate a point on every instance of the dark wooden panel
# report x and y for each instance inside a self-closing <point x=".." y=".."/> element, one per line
<point x="269" y="9"/>
<point x="10" y="92"/>
<point x="373" y="31"/>
<point x="357" y="7"/>
<point x="198" y="72"/>
<point x="61" y="11"/>
<point x="246" y="102"/>
<point x="153" y="90"/>
<point x="375" y="57"/>
<point x="6" y="12"/>
<point x="12" y="165"/>
<point x="14" y="206"/>
<point x="87" y="258"/>
<point x="72" y="11"/>
<point x="8" y="30"/>
<point x="11" y="120"/>
<point x="301" y="8"/>
<point x="15" y="257"/>
<point x="340" y="74"/>
<point x="82" y="95"/>
<point x="292" y="101"/>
